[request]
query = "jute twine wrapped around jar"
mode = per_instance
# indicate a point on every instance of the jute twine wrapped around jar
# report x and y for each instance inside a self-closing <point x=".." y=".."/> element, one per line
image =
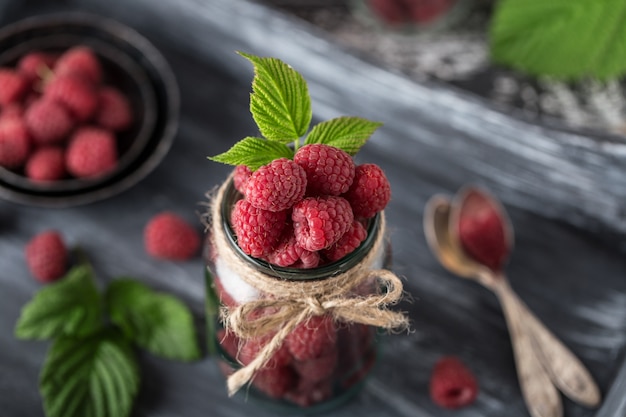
<point x="294" y="302"/>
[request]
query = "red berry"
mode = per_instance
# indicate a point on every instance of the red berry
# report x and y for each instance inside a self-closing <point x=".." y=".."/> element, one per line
<point x="348" y="242"/>
<point x="229" y="342"/>
<point x="91" y="152"/>
<point x="427" y="11"/>
<point x="274" y="382"/>
<point x="277" y="185"/>
<point x="329" y="170"/>
<point x="34" y="64"/>
<point x="287" y="252"/>
<point x="13" y="86"/>
<point x="251" y="348"/>
<point x="370" y="192"/>
<point x="12" y="110"/>
<point x="482" y="236"/>
<point x="307" y="260"/>
<point x="46" y="164"/>
<point x="48" y="121"/>
<point x="319" y="222"/>
<point x="169" y="236"/>
<point x="81" y="61"/>
<point x="241" y="176"/>
<point x="46" y="256"/>
<point x="452" y="384"/>
<point x="15" y="142"/>
<point x="317" y="369"/>
<point x="258" y="231"/>
<point x="313" y="338"/>
<point x="114" y="110"/>
<point x="76" y="94"/>
<point x="307" y="394"/>
<point x="393" y="12"/>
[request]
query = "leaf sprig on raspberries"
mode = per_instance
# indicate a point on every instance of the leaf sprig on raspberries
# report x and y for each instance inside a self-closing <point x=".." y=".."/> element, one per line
<point x="281" y="107"/>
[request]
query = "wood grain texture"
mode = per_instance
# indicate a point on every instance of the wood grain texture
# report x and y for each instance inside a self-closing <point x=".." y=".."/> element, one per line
<point x="434" y="140"/>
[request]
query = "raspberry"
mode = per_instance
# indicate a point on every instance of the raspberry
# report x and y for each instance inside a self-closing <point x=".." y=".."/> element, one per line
<point x="34" y="64"/>
<point x="319" y="222"/>
<point x="12" y="110"/>
<point x="114" y="111"/>
<point x="307" y="394"/>
<point x="46" y="164"/>
<point x="13" y="86"/>
<point x="348" y="242"/>
<point x="307" y="260"/>
<point x="46" y="256"/>
<point x="15" y="142"/>
<point x="252" y="347"/>
<point x="287" y="252"/>
<point x="276" y="186"/>
<point x="370" y="192"/>
<point x="428" y="11"/>
<point x="329" y="170"/>
<point x="393" y="12"/>
<point x="482" y="237"/>
<point x="313" y="338"/>
<point x="74" y="93"/>
<point x="229" y="342"/>
<point x="318" y="369"/>
<point x="274" y="382"/>
<point x="81" y="61"/>
<point x="91" y="152"/>
<point x="48" y="121"/>
<point x="452" y="384"/>
<point x="257" y="230"/>
<point x="241" y="176"/>
<point x="169" y="236"/>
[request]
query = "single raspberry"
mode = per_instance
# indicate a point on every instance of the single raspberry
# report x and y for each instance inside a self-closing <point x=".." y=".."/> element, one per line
<point x="15" y="143"/>
<point x="13" y="86"/>
<point x="76" y="94"/>
<point x="257" y="230"/>
<point x="274" y="382"/>
<point x="313" y="338"/>
<point x="91" y="152"/>
<point x="80" y="60"/>
<point x="452" y="384"/>
<point x="241" y="176"/>
<point x="114" y="110"/>
<point x="46" y="164"/>
<point x="319" y="222"/>
<point x="35" y="64"/>
<point x="46" y="256"/>
<point x="482" y="236"/>
<point x="277" y="185"/>
<point x="251" y="348"/>
<point x="307" y="394"/>
<point x="307" y="260"/>
<point x="48" y="121"/>
<point x="287" y="252"/>
<point x="427" y="11"/>
<point x="370" y="192"/>
<point x="12" y="110"/>
<point x="317" y="369"/>
<point x="329" y="170"/>
<point x="169" y="236"/>
<point x="348" y="242"/>
<point x="392" y="12"/>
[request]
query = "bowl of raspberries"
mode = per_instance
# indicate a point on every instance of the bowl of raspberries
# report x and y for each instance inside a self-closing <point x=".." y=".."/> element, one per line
<point x="87" y="108"/>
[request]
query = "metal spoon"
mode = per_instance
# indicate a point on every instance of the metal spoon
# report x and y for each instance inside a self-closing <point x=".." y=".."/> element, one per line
<point x="565" y="370"/>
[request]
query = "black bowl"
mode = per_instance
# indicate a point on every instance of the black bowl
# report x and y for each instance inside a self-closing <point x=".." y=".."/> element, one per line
<point x="131" y="64"/>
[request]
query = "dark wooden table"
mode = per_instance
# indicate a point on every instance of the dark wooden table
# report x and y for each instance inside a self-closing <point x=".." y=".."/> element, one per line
<point x="564" y="193"/>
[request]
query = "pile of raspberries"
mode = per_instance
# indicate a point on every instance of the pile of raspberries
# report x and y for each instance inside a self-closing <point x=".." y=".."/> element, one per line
<point x="57" y="118"/>
<point x="311" y="210"/>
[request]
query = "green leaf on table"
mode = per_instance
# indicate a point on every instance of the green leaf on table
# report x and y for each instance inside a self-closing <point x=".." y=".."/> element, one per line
<point x="347" y="133"/>
<point x="569" y="39"/>
<point x="280" y="103"/>
<point x="157" y="322"/>
<point x="96" y="376"/>
<point x="70" y="306"/>
<point x="254" y="152"/>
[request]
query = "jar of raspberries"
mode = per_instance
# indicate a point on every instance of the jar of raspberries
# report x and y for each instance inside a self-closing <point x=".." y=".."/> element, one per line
<point x="295" y="251"/>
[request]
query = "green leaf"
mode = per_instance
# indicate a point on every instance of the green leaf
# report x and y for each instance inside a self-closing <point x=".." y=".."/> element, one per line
<point x="254" y="152"/>
<point x="71" y="306"/>
<point x="280" y="102"/>
<point x="157" y="322"/>
<point x="93" y="377"/>
<point x="347" y="133"/>
<point x="568" y="39"/>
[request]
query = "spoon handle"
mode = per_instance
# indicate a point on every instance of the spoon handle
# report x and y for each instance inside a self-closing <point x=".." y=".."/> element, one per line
<point x="540" y="395"/>
<point x="565" y="369"/>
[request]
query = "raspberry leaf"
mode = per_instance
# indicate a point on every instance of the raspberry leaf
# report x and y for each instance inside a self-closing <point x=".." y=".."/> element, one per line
<point x="280" y="103"/>
<point x="346" y="133"/>
<point x="157" y="322"/>
<point x="97" y="376"/>
<point x="254" y="152"/>
<point x="563" y="38"/>
<point x="71" y="306"/>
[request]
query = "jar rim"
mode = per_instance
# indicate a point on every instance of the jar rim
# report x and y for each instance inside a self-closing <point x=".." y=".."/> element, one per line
<point x="231" y="196"/>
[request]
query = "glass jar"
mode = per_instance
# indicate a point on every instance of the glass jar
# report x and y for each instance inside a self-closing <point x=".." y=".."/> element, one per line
<point x="339" y="355"/>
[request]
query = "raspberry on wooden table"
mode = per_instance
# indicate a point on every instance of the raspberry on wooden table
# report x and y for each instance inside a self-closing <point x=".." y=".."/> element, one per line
<point x="46" y="164"/>
<point x="114" y="111"/>
<point x="48" y="122"/>
<point x="319" y="222"/>
<point x="276" y="186"/>
<point x="46" y="256"/>
<point x="313" y="338"/>
<point x="258" y="231"/>
<point x="370" y="192"/>
<point x="80" y="61"/>
<point x="348" y="242"/>
<point x="482" y="237"/>
<point x="15" y="142"/>
<point x="13" y="86"/>
<point x="329" y="170"/>
<point x="76" y="94"/>
<point x="169" y="236"/>
<point x="452" y="384"/>
<point x="91" y="152"/>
